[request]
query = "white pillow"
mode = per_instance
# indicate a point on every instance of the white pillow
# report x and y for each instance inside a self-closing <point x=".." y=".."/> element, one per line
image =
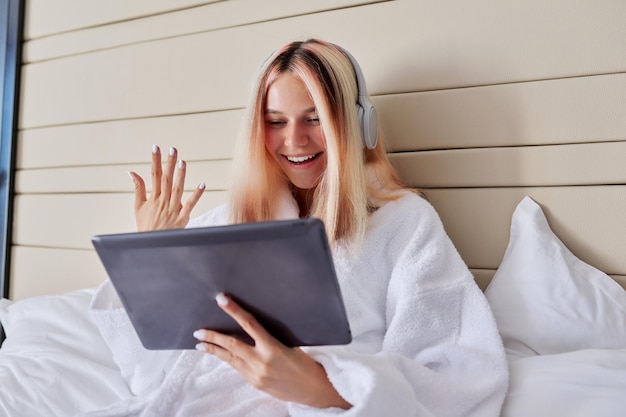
<point x="546" y="300"/>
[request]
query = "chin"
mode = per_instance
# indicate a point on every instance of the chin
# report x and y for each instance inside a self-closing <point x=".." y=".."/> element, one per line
<point x="304" y="185"/>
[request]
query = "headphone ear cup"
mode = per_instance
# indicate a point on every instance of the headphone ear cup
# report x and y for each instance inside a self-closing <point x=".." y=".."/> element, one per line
<point x="368" y="119"/>
<point x="360" y="115"/>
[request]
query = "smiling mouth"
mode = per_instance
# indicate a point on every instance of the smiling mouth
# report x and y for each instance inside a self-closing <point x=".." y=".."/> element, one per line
<point x="302" y="159"/>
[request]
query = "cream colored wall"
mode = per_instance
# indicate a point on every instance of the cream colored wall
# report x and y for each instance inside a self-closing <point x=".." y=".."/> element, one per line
<point x="482" y="103"/>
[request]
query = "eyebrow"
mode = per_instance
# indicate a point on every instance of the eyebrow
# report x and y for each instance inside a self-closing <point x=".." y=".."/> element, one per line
<point x="271" y="111"/>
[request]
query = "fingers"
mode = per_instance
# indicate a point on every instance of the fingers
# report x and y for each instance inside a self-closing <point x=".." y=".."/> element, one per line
<point x="191" y="202"/>
<point x="178" y="189"/>
<point x="167" y="178"/>
<point x="162" y="180"/>
<point x="246" y="320"/>
<point x="163" y="208"/>
<point x="228" y="347"/>
<point x="288" y="374"/>
<point x="172" y="181"/>
<point x="140" y="189"/>
<point x="179" y="185"/>
<point x="156" y="171"/>
<point x="169" y="182"/>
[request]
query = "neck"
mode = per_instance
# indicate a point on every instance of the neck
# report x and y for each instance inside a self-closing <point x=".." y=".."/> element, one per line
<point x="304" y="198"/>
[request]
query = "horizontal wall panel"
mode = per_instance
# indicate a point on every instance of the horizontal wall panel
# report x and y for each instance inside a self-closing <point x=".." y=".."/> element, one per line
<point x="204" y="136"/>
<point x="483" y="278"/>
<point x="589" y="220"/>
<point x="53" y="271"/>
<point x="56" y="271"/>
<point x="45" y="17"/>
<point x="582" y="109"/>
<point x="200" y="72"/>
<point x="575" y="164"/>
<point x="114" y="178"/>
<point x="70" y="220"/>
<point x="213" y="16"/>
<point x="587" y="109"/>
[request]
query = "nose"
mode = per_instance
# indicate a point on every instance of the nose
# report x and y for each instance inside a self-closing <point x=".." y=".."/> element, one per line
<point x="296" y="135"/>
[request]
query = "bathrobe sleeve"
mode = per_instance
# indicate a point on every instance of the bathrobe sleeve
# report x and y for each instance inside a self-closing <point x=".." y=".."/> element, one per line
<point x="440" y="355"/>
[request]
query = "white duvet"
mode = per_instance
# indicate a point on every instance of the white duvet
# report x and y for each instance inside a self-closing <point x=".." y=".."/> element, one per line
<point x="582" y="383"/>
<point x="56" y="362"/>
<point x="439" y="355"/>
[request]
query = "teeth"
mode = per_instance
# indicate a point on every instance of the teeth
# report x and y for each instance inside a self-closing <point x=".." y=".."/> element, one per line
<point x="300" y="158"/>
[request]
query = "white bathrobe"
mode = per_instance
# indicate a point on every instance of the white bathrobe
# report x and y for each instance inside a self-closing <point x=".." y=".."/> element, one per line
<point x="424" y="340"/>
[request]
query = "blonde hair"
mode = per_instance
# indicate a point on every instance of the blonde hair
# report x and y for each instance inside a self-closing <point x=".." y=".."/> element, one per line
<point x="344" y="197"/>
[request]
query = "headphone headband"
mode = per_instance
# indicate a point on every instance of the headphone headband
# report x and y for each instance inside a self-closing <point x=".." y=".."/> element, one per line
<point x="368" y="117"/>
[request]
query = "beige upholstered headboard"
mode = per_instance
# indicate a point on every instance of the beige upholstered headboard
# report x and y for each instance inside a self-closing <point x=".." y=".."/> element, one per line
<point x="482" y="103"/>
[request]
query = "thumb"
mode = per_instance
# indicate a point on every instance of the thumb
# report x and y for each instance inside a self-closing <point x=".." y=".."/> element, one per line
<point x="140" y="189"/>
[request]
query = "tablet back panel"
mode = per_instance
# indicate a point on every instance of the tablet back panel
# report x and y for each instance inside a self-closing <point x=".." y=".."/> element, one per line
<point x="282" y="272"/>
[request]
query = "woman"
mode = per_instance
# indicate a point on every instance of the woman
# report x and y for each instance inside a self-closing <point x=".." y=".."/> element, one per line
<point x="424" y="340"/>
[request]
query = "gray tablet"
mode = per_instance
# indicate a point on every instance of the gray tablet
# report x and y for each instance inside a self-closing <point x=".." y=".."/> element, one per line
<point x="282" y="272"/>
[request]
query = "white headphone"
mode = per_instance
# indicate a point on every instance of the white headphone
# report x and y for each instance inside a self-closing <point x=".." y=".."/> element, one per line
<point x="368" y="117"/>
<point x="366" y="113"/>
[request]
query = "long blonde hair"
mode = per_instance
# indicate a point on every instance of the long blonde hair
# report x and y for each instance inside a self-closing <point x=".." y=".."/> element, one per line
<point x="347" y="191"/>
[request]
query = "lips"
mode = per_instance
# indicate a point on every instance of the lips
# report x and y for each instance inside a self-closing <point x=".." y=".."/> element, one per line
<point x="302" y="159"/>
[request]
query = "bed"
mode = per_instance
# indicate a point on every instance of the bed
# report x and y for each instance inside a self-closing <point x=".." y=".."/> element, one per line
<point x="510" y="116"/>
<point x="563" y="324"/>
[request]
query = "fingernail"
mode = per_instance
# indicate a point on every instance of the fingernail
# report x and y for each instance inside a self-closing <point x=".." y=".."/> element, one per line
<point x="199" y="334"/>
<point x="181" y="164"/>
<point x="221" y="299"/>
<point x="155" y="148"/>
<point x="202" y="186"/>
<point x="201" y="347"/>
<point x="172" y="151"/>
<point x="131" y="176"/>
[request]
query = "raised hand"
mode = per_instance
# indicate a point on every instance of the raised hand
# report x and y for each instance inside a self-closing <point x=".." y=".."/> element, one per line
<point x="164" y="209"/>
<point x="288" y="374"/>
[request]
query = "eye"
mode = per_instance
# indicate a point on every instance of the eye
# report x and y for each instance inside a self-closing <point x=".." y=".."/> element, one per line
<point x="313" y="120"/>
<point x="275" y="123"/>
